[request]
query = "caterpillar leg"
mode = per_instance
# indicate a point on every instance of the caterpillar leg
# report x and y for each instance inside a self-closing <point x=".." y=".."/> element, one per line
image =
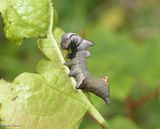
<point x="69" y="64"/>
<point x="79" y="79"/>
<point x="74" y="71"/>
<point x="72" y="62"/>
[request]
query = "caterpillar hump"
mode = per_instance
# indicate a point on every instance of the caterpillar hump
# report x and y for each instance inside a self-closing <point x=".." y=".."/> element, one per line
<point x="74" y="42"/>
<point x="78" y="66"/>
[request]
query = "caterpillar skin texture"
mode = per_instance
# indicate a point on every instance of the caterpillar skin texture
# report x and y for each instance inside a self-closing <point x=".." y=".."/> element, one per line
<point x="78" y="66"/>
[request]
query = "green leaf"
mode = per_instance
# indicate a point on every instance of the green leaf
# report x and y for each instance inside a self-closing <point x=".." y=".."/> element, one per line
<point x="46" y="68"/>
<point x="4" y="4"/>
<point x="6" y="96"/>
<point x="37" y="100"/>
<point x="46" y="99"/>
<point x="26" y="19"/>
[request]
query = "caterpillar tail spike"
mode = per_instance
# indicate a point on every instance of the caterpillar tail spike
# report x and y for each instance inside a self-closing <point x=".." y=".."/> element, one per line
<point x="78" y="66"/>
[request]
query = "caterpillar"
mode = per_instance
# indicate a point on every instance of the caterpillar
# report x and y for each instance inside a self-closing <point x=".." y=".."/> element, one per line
<point x="78" y="66"/>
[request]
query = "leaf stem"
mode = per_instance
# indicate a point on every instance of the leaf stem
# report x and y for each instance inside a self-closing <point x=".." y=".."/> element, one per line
<point x="92" y="111"/>
<point x="98" y="117"/>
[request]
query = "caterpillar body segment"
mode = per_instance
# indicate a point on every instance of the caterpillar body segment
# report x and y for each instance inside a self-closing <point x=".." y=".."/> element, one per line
<point x="78" y="66"/>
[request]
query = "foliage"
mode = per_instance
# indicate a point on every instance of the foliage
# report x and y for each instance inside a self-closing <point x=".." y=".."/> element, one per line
<point x="47" y="98"/>
<point x="127" y="49"/>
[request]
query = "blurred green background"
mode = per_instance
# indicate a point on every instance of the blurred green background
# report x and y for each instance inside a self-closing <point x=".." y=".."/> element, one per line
<point x="126" y="34"/>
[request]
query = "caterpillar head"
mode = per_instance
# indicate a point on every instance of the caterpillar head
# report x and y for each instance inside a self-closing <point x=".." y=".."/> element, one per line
<point x="74" y="42"/>
<point x="66" y="40"/>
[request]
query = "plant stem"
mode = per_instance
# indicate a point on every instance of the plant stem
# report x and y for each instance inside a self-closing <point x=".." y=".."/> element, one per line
<point x="98" y="117"/>
<point x="92" y="111"/>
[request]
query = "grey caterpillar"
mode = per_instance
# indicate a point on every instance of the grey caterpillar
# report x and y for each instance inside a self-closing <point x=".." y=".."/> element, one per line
<point x="78" y="66"/>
